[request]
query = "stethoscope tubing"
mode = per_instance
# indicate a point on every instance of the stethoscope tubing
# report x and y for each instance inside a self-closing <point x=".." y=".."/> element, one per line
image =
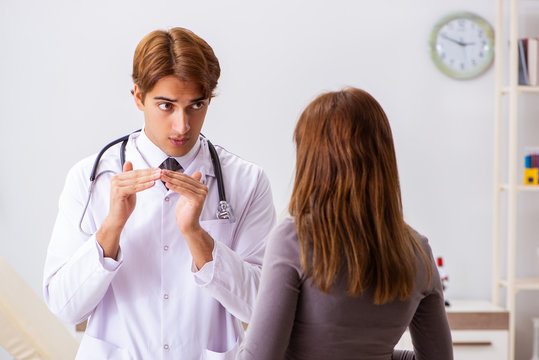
<point x="224" y="210"/>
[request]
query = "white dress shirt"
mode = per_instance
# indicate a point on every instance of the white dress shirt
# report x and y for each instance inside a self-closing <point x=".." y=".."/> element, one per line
<point x="152" y="302"/>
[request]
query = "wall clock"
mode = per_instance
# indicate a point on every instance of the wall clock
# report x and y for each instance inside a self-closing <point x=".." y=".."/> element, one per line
<point x="462" y="45"/>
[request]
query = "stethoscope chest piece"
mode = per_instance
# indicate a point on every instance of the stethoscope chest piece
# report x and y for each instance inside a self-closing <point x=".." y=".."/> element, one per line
<point x="224" y="211"/>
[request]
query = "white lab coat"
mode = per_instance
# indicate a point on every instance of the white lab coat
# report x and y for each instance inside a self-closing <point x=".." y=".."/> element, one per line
<point x="152" y="303"/>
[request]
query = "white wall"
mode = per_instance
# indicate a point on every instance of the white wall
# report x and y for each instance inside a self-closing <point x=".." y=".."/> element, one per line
<point x="65" y="72"/>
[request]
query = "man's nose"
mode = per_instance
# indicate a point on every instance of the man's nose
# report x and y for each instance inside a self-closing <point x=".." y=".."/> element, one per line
<point x="180" y="123"/>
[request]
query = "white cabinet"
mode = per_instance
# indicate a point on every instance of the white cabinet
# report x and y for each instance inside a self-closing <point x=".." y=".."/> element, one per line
<point x="472" y="344"/>
<point x="480" y="344"/>
<point x="479" y="330"/>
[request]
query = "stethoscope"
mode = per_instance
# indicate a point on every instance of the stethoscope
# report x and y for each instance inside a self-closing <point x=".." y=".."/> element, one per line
<point x="224" y="210"/>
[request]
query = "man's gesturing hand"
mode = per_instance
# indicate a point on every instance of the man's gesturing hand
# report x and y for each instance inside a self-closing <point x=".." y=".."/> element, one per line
<point x="123" y="189"/>
<point x="188" y="210"/>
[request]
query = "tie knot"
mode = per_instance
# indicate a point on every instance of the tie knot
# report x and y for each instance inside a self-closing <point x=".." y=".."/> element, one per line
<point x="170" y="164"/>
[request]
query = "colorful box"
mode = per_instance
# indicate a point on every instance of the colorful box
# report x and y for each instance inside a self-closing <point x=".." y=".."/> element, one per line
<point x="531" y="176"/>
<point x="531" y="166"/>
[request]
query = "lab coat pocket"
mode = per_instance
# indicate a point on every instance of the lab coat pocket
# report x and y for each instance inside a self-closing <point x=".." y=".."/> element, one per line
<point x="228" y="355"/>
<point x="92" y="348"/>
<point x="221" y="230"/>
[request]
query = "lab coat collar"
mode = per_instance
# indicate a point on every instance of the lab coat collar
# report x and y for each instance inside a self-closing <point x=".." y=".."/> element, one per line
<point x="202" y="162"/>
<point x="154" y="156"/>
<point x="144" y="154"/>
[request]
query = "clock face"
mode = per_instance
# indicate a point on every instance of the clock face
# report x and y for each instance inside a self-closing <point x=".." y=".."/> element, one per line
<point x="462" y="45"/>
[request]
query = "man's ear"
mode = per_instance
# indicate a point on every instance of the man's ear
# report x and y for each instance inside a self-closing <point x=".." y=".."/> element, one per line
<point x="137" y="95"/>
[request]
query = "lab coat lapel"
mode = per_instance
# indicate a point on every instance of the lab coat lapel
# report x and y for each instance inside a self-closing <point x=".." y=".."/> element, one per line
<point x="132" y="154"/>
<point x="202" y="162"/>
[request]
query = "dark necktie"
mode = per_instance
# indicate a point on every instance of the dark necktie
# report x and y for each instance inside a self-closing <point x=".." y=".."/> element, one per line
<point x="170" y="164"/>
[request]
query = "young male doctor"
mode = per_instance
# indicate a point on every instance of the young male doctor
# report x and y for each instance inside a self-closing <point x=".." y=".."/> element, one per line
<point x="158" y="276"/>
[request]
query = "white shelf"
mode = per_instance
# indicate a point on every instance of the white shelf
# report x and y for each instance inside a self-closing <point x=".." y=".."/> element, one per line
<point x="506" y="146"/>
<point x="523" y="283"/>
<point x="523" y="188"/>
<point x="522" y="89"/>
<point x="473" y="306"/>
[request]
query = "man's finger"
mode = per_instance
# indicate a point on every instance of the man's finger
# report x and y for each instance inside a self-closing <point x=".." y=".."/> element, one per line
<point x="197" y="176"/>
<point x="186" y="189"/>
<point x="173" y="175"/>
<point x="182" y="181"/>
<point x="131" y="181"/>
<point x="128" y="166"/>
<point x="133" y="187"/>
<point x="131" y="176"/>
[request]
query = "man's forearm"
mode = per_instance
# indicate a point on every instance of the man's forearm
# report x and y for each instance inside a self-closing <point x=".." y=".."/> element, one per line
<point x="108" y="237"/>
<point x="201" y="246"/>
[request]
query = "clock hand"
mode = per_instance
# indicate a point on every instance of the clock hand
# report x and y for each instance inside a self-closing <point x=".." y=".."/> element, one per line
<point x="461" y="43"/>
<point x="451" y="39"/>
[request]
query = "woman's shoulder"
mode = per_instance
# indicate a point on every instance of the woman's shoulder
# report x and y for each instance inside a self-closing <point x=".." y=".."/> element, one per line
<point x="421" y="239"/>
<point x="425" y="260"/>
<point x="423" y="242"/>
<point x="285" y="233"/>
<point x="286" y="225"/>
<point x="283" y="242"/>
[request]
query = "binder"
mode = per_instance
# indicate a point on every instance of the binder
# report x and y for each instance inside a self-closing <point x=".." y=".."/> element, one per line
<point x="533" y="58"/>
<point x="522" y="62"/>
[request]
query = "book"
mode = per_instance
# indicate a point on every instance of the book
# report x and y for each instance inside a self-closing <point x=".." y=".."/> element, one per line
<point x="533" y="58"/>
<point x="522" y="62"/>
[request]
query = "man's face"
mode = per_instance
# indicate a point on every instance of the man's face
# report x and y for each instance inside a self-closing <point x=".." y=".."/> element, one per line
<point x="174" y="112"/>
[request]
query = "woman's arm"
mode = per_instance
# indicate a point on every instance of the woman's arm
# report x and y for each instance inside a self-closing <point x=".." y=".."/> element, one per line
<point x="429" y="328"/>
<point x="271" y="325"/>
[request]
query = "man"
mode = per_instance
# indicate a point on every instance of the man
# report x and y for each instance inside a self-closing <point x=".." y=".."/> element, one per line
<point x="143" y="256"/>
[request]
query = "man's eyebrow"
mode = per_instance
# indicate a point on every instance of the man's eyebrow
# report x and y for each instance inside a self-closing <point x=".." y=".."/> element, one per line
<point x="176" y="100"/>
<point x="199" y="99"/>
<point x="165" y="99"/>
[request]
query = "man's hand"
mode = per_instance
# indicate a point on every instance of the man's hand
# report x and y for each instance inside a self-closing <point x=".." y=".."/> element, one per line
<point x="123" y="189"/>
<point x="188" y="210"/>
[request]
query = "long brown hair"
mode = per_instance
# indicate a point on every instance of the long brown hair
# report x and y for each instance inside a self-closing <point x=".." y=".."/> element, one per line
<point x="346" y="199"/>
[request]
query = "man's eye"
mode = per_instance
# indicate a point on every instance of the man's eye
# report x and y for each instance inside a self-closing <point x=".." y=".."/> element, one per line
<point x="198" y="105"/>
<point x="165" y="106"/>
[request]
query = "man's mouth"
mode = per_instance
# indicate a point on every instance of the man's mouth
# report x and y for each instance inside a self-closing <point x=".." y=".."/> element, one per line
<point x="178" y="141"/>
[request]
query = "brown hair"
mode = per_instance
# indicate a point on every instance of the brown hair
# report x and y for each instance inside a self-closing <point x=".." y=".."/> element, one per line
<point x="346" y="198"/>
<point x="177" y="52"/>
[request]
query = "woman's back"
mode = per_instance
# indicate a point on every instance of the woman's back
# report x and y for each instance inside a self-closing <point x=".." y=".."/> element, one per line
<point x="310" y="324"/>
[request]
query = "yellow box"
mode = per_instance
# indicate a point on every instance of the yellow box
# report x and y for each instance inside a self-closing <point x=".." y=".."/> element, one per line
<point x="531" y="176"/>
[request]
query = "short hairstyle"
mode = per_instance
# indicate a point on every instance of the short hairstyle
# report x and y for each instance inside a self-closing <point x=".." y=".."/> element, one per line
<point x="346" y="199"/>
<point x="178" y="52"/>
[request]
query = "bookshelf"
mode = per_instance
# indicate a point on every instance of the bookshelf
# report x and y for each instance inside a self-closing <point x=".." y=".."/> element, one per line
<point x="507" y="22"/>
